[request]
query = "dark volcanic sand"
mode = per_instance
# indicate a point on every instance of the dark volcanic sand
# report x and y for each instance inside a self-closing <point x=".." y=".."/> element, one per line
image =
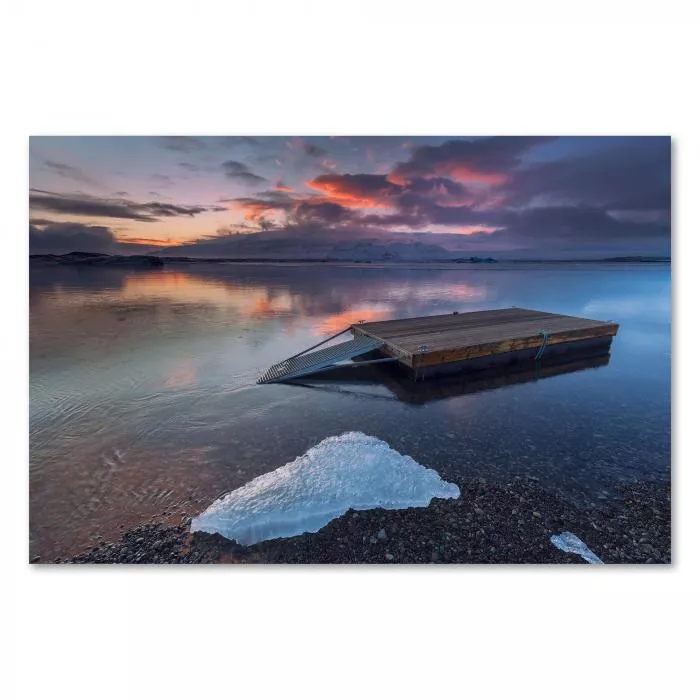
<point x="488" y="524"/>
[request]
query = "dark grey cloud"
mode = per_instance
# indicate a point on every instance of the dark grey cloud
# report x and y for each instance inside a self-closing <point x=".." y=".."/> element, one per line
<point x="485" y="158"/>
<point x="311" y="149"/>
<point x="58" y="238"/>
<point x="234" y="167"/>
<point x="181" y="144"/>
<point x="72" y="172"/>
<point x="162" y="180"/>
<point x="269" y="197"/>
<point x="328" y="213"/>
<point x="577" y="225"/>
<point x="192" y="167"/>
<point x="235" y="170"/>
<point x="40" y="222"/>
<point x="85" y="205"/>
<point x="239" y="140"/>
<point x="247" y="178"/>
<point x="631" y="174"/>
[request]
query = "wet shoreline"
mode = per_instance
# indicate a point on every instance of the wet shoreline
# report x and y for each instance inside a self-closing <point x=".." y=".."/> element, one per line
<point x="508" y="523"/>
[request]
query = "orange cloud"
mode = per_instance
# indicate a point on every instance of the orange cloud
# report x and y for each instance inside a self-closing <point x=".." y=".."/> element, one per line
<point x="396" y="179"/>
<point x="353" y="191"/>
<point x="467" y="174"/>
<point x="468" y="230"/>
<point x="254" y="211"/>
<point x="148" y="241"/>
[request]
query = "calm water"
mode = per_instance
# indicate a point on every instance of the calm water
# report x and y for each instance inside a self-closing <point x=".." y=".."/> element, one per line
<point x="143" y="399"/>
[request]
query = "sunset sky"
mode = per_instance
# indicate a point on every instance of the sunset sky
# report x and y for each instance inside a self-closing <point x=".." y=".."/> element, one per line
<point x="503" y="196"/>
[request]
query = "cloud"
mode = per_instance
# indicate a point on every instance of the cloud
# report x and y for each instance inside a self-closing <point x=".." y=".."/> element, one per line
<point x="190" y="166"/>
<point x="328" y="213"/>
<point x="162" y="180"/>
<point x="306" y="148"/>
<point x="60" y="238"/>
<point x="71" y="172"/>
<point x="416" y="203"/>
<point x="57" y="238"/>
<point x="576" y="225"/>
<point x="263" y="204"/>
<point x="181" y="144"/>
<point x="235" y="170"/>
<point x="358" y="190"/>
<point x="238" y="140"/>
<point x="631" y="174"/>
<point x="379" y="191"/>
<point x="85" y="205"/>
<point x="311" y="149"/>
<point x="488" y="161"/>
<point x="40" y="222"/>
<point x="234" y="167"/>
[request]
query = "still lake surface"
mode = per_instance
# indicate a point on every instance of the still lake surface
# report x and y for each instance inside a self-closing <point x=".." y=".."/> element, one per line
<point x="143" y="400"/>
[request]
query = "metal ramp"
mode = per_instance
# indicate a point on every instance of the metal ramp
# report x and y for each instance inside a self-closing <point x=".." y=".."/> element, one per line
<point x="309" y="362"/>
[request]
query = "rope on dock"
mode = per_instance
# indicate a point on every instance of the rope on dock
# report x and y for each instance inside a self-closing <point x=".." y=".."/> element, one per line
<point x="545" y="337"/>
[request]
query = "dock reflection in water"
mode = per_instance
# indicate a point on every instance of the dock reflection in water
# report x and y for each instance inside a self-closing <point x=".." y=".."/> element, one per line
<point x="411" y="391"/>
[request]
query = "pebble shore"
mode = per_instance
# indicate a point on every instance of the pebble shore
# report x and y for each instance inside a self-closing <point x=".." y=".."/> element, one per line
<point x="506" y="523"/>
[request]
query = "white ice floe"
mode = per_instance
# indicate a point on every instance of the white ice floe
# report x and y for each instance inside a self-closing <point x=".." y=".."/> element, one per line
<point x="352" y="470"/>
<point x="568" y="542"/>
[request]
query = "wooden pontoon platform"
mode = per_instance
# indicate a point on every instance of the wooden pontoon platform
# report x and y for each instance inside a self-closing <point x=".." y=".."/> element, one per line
<point x="457" y="342"/>
<point x="443" y="344"/>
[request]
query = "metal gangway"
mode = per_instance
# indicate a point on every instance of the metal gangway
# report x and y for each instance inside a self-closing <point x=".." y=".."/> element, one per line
<point x="307" y="362"/>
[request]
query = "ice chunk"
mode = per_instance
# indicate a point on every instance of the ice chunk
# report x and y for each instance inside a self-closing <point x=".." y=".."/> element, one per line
<point x="568" y="542"/>
<point x="352" y="470"/>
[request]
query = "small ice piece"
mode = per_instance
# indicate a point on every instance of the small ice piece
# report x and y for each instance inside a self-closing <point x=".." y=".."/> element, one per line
<point x="352" y="470"/>
<point x="568" y="542"/>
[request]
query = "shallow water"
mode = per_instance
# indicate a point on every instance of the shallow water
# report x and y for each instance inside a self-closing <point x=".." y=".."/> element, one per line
<point x="143" y="399"/>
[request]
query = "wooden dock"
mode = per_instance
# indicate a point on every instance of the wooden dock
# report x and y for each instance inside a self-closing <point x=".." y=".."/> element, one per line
<point x="451" y="343"/>
<point x="445" y="344"/>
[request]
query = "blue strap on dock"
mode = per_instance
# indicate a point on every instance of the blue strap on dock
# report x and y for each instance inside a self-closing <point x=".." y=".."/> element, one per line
<point x="545" y="337"/>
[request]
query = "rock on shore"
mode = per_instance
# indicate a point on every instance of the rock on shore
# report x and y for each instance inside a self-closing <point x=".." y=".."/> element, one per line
<point x="490" y="523"/>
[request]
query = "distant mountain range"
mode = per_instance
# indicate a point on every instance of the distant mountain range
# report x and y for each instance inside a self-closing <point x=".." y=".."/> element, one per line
<point x="355" y="254"/>
<point x="98" y="260"/>
<point x="272" y="246"/>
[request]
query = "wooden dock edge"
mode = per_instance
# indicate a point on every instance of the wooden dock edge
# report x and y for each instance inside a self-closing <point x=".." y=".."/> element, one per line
<point x="429" y="359"/>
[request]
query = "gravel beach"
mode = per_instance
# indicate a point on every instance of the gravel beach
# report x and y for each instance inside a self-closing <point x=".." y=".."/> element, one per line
<point x="489" y="524"/>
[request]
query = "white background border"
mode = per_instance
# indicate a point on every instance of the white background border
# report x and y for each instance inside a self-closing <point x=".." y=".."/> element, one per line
<point x="364" y="67"/>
